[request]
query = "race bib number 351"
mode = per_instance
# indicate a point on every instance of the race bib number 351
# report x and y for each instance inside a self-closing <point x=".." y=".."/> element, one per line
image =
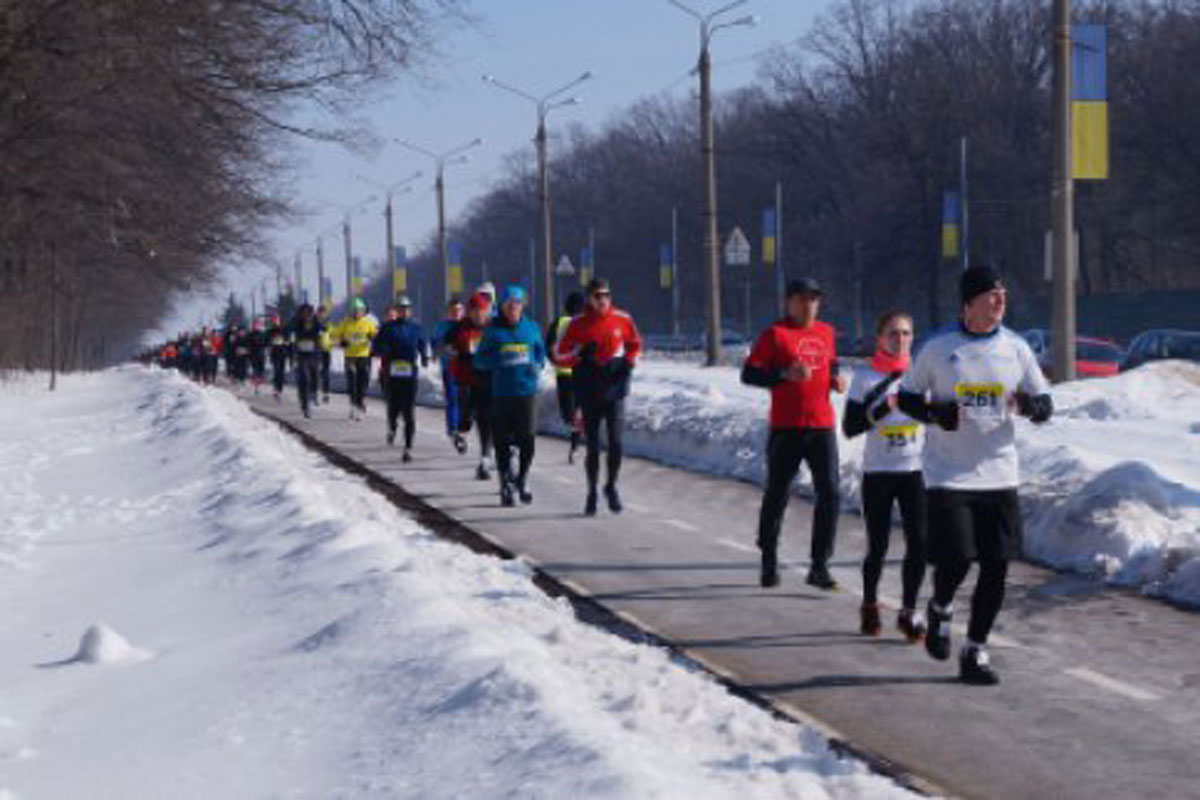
<point x="899" y="435"/>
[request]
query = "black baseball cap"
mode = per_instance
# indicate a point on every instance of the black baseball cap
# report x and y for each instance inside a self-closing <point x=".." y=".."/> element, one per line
<point x="807" y="286"/>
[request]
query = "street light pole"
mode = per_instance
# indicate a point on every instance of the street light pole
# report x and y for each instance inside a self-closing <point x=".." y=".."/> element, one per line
<point x="440" y="160"/>
<point x="708" y="216"/>
<point x="320" y="274"/>
<point x="390" y="191"/>
<point x="1062" y="201"/>
<point x="545" y="104"/>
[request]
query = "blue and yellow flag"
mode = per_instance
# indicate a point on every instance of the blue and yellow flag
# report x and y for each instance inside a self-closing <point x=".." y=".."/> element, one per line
<point x="770" y="232"/>
<point x="356" y="277"/>
<point x="1089" y="102"/>
<point x="666" y="263"/>
<point x="399" y="271"/>
<point x="454" y="273"/>
<point x="951" y="225"/>
<point x="327" y="292"/>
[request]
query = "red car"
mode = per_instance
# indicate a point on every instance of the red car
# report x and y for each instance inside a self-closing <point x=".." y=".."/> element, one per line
<point x="1094" y="358"/>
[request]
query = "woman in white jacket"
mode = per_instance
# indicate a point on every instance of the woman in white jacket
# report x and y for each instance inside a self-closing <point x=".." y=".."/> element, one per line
<point x="891" y="472"/>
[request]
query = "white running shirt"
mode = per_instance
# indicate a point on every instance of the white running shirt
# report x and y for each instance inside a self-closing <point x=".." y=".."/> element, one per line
<point x="894" y="442"/>
<point x="981" y="374"/>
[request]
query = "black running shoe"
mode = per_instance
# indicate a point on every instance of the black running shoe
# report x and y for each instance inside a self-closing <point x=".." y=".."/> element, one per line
<point x="460" y="443"/>
<point x="614" y="499"/>
<point x="589" y="507"/>
<point x="391" y="436"/>
<point x="820" y="578"/>
<point x="974" y="667"/>
<point x="768" y="575"/>
<point x="937" y="638"/>
<point x="524" y="493"/>
<point x="869" y="622"/>
<point x="482" y="473"/>
<point x="506" y="494"/>
<point x="912" y="625"/>
<point x="407" y="456"/>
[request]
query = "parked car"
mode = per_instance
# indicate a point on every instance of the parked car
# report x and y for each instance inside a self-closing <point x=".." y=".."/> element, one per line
<point x="1157" y="345"/>
<point x="1094" y="358"/>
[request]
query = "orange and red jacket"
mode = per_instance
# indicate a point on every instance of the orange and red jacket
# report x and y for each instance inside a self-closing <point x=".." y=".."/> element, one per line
<point x="463" y="340"/>
<point x="613" y="334"/>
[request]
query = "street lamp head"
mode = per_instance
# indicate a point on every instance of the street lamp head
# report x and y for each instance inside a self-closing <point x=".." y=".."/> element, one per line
<point x="749" y="21"/>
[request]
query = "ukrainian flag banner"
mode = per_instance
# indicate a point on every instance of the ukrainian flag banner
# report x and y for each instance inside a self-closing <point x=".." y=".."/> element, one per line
<point x="454" y="273"/>
<point x="1089" y="102"/>
<point x="666" y="262"/>
<point x="951" y="225"/>
<point x="327" y="292"/>
<point x="586" y="268"/>
<point x="399" y="272"/>
<point x="356" y="277"/>
<point x="770" y="232"/>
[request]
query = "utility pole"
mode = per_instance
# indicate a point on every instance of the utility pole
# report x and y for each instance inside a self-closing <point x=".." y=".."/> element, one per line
<point x="965" y="245"/>
<point x="1062" y="201"/>
<point x="299" y="280"/>
<point x="439" y="184"/>
<point x="780" y="289"/>
<point x="321" y="298"/>
<point x="674" y="271"/>
<point x="708" y="216"/>
<point x="349" y="259"/>
<point x="545" y="104"/>
<point x="441" y="160"/>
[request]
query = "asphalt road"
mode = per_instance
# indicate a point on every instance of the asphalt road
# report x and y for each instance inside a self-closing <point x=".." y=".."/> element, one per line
<point x="1100" y="694"/>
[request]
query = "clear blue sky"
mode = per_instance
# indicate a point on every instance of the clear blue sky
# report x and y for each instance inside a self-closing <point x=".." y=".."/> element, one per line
<point x="634" y="48"/>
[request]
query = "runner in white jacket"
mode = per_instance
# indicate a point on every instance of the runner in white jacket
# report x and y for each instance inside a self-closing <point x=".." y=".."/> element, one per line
<point x="891" y="472"/>
<point x="972" y="382"/>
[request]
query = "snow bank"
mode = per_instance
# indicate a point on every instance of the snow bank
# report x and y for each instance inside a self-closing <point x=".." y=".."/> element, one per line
<point x="1111" y="486"/>
<point x="310" y="641"/>
<point x="100" y="644"/>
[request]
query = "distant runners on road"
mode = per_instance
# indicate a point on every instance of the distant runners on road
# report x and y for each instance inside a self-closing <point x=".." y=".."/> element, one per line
<point x="450" y="401"/>
<point x="472" y="385"/>
<point x="970" y="383"/>
<point x="796" y="359"/>
<point x="568" y="407"/>
<point x="355" y="334"/>
<point x="513" y="354"/>
<point x="402" y="350"/>
<point x="306" y="334"/>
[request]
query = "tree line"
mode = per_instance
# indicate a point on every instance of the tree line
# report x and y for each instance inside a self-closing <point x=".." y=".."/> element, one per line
<point x="142" y="145"/>
<point x="861" y="122"/>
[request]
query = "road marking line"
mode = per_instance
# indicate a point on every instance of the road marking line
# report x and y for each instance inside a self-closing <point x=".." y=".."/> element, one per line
<point x="561" y="479"/>
<point x="1111" y="684"/>
<point x="683" y="526"/>
<point x="637" y="508"/>
<point x="745" y="548"/>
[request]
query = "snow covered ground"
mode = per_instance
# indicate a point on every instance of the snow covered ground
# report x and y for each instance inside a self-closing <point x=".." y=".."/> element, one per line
<point x="197" y="607"/>
<point x="1111" y="485"/>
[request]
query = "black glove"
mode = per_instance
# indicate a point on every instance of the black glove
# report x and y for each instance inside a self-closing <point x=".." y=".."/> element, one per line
<point x="587" y="353"/>
<point x="1038" y="407"/>
<point x="620" y="367"/>
<point x="945" y="414"/>
<point x="879" y="412"/>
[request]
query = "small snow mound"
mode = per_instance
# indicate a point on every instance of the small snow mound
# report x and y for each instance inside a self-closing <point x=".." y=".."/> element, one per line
<point x="102" y="645"/>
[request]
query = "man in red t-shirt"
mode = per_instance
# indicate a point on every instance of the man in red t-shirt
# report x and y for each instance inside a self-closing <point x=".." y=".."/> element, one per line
<point x="796" y="359"/>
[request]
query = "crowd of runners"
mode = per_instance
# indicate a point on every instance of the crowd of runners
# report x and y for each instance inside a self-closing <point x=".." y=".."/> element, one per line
<point x="940" y="427"/>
